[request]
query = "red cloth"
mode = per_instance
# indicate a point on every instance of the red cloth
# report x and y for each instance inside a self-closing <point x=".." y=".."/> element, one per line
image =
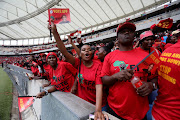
<point x="34" y="70"/>
<point x="159" y="44"/>
<point x="63" y="77"/>
<point x="46" y="71"/>
<point x="167" y="23"/>
<point x="34" y="64"/>
<point x="167" y="105"/>
<point x="39" y="62"/>
<point x="90" y="76"/>
<point x="168" y="45"/>
<point x="95" y="55"/>
<point x="153" y="72"/>
<point x="122" y="98"/>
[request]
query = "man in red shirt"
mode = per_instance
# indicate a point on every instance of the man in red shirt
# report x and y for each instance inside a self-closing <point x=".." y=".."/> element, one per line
<point x="124" y="100"/>
<point x="173" y="39"/>
<point x="146" y="41"/>
<point x="167" y="105"/>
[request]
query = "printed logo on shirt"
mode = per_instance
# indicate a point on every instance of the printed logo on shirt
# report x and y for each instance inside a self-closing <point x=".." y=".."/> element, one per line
<point x="58" y="79"/>
<point x="55" y="78"/>
<point x="121" y="64"/>
<point x="80" y="76"/>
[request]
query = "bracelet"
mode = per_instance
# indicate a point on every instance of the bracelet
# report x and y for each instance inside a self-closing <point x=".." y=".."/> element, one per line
<point x="46" y="92"/>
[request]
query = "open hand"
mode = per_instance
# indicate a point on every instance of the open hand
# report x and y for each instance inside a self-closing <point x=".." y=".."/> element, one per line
<point x="40" y="95"/>
<point x="98" y="115"/>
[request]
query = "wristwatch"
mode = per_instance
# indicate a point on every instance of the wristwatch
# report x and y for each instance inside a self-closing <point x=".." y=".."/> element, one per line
<point x="154" y="86"/>
<point x="46" y="92"/>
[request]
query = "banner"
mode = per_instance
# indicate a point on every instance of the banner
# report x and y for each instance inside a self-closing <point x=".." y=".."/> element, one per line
<point x="167" y="23"/>
<point x="151" y="63"/>
<point x="24" y="102"/>
<point x="59" y="15"/>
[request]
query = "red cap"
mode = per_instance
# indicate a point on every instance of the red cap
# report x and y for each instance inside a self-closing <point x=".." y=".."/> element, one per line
<point x="126" y="25"/>
<point x="42" y="54"/>
<point x="146" y="34"/>
<point x="51" y="53"/>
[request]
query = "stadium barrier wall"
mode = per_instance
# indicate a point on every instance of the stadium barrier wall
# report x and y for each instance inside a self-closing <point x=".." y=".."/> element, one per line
<point x="55" y="106"/>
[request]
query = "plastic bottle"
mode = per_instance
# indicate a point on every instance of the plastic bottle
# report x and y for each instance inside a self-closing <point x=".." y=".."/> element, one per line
<point x="136" y="82"/>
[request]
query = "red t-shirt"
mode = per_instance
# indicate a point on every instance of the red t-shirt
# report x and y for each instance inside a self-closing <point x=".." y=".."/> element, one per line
<point x="122" y="98"/>
<point x="35" y="70"/>
<point x="168" y="45"/>
<point x="63" y="77"/>
<point x="46" y="70"/>
<point x="90" y="76"/>
<point x="39" y="62"/>
<point x="159" y="44"/>
<point x="95" y="55"/>
<point x="167" y="105"/>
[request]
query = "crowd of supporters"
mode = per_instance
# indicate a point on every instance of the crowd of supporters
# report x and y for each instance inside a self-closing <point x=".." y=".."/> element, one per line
<point x="101" y="73"/>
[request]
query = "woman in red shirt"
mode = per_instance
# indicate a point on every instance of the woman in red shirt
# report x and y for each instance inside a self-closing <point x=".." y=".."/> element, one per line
<point x="61" y="74"/>
<point x="103" y="51"/>
<point x="89" y="81"/>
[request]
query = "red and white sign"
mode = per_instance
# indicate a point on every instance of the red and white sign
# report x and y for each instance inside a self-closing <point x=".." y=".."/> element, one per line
<point x="25" y="102"/>
<point x="59" y="15"/>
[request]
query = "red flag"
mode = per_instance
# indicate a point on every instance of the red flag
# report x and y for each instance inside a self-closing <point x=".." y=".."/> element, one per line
<point x="165" y="6"/>
<point x="72" y="34"/>
<point x="73" y="51"/>
<point x="151" y="63"/>
<point x="79" y="33"/>
<point x="25" y="102"/>
<point x="30" y="50"/>
<point x="59" y="15"/>
<point x="167" y="23"/>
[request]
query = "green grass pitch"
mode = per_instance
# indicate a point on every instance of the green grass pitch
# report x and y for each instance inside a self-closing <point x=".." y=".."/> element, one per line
<point x="5" y="100"/>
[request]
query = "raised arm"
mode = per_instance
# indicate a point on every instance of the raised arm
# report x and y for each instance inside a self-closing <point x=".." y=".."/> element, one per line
<point x="60" y="44"/>
<point x="73" y="45"/>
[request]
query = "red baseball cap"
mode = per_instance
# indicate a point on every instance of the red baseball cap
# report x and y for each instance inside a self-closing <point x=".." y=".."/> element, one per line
<point x="146" y="34"/>
<point x="124" y="25"/>
<point x="42" y="54"/>
<point x="51" y="53"/>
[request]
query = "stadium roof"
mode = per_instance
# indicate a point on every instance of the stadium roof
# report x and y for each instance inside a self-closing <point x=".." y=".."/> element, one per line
<point x="27" y="19"/>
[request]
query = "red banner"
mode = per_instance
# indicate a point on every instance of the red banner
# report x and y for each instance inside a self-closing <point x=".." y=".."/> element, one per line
<point x="167" y="23"/>
<point x="24" y="102"/>
<point x="59" y="15"/>
<point x="151" y="63"/>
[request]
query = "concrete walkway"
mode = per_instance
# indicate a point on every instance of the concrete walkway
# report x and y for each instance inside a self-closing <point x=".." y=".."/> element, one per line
<point x="14" y="110"/>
